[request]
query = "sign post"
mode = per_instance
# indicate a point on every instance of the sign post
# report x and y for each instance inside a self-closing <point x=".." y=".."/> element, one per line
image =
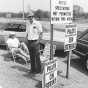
<point x="62" y="13"/>
<point x="68" y="64"/>
<point x="70" y="43"/>
<point x="51" y="43"/>
<point x="23" y="8"/>
<point x="50" y="66"/>
<point x="51" y="34"/>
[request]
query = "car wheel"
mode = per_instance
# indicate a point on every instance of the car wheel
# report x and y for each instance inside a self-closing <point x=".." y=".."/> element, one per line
<point x="86" y="62"/>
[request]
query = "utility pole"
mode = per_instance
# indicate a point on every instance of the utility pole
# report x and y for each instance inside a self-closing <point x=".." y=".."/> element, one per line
<point x="23" y="7"/>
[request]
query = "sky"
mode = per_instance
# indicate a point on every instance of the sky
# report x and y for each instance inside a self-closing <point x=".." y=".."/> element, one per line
<point x="17" y="6"/>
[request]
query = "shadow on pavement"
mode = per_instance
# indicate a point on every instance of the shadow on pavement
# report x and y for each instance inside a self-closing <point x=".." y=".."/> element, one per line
<point x="59" y="73"/>
<point x="20" y="61"/>
<point x="20" y="68"/>
<point x="78" y="64"/>
<point x="27" y="74"/>
<point x="33" y="77"/>
<point x="39" y="84"/>
<point x="6" y="56"/>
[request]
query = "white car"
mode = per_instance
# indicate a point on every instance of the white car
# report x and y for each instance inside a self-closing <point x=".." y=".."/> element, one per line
<point x="19" y="27"/>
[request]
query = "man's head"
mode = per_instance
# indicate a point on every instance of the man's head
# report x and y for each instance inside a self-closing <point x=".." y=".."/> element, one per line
<point x="12" y="35"/>
<point x="30" y="17"/>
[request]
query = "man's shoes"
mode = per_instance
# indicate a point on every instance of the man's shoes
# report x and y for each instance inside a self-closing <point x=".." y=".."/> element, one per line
<point x="34" y="72"/>
<point x="37" y="72"/>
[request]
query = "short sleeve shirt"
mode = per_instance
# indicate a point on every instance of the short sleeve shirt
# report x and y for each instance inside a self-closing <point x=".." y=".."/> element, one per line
<point x="13" y="43"/>
<point x="33" y="30"/>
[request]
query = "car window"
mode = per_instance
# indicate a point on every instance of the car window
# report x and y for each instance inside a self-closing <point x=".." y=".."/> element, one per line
<point x="15" y="27"/>
<point x="85" y="37"/>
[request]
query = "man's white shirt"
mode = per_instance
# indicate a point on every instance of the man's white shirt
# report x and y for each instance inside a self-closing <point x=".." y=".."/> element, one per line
<point x="33" y="30"/>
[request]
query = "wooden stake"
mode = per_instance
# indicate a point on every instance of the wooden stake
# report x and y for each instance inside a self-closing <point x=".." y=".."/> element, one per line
<point x="51" y="43"/>
<point x="68" y="64"/>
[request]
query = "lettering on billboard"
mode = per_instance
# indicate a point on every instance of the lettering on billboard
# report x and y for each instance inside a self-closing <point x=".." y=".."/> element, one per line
<point x="61" y="11"/>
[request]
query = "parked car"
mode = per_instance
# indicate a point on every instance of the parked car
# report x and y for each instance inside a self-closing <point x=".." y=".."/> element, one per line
<point x="82" y="47"/>
<point x="18" y="27"/>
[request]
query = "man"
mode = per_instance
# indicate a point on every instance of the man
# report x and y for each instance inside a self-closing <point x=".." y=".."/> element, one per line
<point x="16" y="47"/>
<point x="34" y="30"/>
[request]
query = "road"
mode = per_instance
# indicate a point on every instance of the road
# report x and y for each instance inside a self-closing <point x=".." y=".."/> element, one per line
<point x="81" y="26"/>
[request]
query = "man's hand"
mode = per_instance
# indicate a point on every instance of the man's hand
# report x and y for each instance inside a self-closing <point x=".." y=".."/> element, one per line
<point x="40" y="36"/>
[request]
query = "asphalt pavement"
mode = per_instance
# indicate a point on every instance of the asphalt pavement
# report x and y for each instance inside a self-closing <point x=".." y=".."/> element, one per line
<point x="16" y="75"/>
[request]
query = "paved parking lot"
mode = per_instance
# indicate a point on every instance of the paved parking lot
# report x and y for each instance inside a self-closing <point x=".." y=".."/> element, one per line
<point x="15" y="75"/>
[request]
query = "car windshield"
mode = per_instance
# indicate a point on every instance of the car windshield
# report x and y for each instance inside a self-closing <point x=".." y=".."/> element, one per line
<point x="15" y="27"/>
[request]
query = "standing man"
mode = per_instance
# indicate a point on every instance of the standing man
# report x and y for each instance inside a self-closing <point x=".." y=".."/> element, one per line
<point x="34" y="34"/>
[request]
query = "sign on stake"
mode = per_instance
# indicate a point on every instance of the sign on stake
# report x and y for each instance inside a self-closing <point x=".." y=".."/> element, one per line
<point x="70" y="43"/>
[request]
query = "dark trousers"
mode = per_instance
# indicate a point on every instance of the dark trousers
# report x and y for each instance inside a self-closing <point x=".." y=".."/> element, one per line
<point x="34" y="50"/>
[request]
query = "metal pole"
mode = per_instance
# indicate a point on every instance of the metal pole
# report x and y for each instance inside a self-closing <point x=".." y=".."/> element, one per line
<point x="68" y="64"/>
<point x="51" y="36"/>
<point x="51" y="43"/>
<point x="23" y="8"/>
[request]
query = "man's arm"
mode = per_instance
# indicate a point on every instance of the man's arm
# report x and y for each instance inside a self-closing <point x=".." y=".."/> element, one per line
<point x="40" y="31"/>
<point x="26" y="30"/>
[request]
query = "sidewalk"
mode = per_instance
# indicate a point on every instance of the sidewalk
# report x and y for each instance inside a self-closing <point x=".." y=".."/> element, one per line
<point x="14" y="75"/>
<point x="76" y="78"/>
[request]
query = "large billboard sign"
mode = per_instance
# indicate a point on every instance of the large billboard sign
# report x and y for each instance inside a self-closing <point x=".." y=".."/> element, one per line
<point x="61" y="11"/>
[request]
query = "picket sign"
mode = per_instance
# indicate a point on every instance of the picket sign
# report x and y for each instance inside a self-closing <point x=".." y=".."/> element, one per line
<point x="49" y="67"/>
<point x="46" y="52"/>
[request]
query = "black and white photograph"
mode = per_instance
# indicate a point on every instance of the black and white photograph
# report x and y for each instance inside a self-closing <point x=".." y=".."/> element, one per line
<point x="43" y="43"/>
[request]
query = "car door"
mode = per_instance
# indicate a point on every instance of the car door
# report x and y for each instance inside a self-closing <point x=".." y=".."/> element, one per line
<point x="82" y="44"/>
<point x="18" y="28"/>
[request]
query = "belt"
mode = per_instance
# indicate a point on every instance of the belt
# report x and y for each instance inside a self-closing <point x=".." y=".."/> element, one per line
<point x="32" y="40"/>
